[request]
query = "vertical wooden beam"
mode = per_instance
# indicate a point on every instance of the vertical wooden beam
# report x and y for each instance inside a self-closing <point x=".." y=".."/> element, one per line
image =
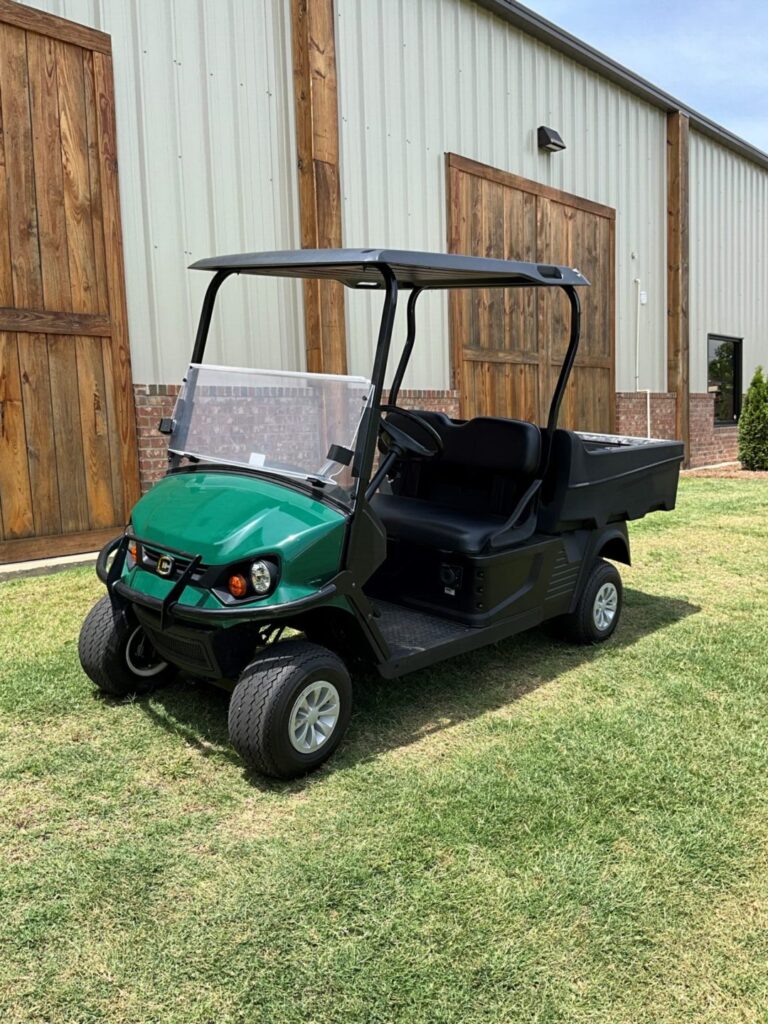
<point x="317" y="143"/>
<point x="678" y="342"/>
<point x="119" y="354"/>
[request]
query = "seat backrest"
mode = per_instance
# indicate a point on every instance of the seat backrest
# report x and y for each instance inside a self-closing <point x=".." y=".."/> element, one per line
<point x="489" y="442"/>
<point x="485" y="465"/>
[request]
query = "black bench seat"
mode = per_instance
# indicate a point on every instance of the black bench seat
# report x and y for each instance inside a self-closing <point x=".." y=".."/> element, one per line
<point x="464" y="497"/>
<point x="435" y="525"/>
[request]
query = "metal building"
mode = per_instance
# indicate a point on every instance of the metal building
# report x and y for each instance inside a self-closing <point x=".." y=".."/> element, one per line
<point x="268" y="124"/>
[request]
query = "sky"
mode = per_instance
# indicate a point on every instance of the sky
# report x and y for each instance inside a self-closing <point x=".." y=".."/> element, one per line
<point x="711" y="55"/>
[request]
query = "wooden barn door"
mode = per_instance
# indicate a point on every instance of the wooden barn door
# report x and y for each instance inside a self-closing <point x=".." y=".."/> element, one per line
<point x="68" y="467"/>
<point x="508" y="346"/>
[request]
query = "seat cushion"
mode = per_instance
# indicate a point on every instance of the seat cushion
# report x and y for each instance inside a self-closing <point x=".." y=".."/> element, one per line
<point x="435" y="525"/>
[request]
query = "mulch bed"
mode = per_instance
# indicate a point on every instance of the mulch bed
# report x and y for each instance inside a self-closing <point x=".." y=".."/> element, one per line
<point x="729" y="471"/>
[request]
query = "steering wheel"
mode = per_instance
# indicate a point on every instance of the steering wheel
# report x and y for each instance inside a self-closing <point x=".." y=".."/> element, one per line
<point x="400" y="439"/>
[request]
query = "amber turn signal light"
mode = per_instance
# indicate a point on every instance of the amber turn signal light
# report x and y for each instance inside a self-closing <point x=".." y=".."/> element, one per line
<point x="133" y="550"/>
<point x="237" y="585"/>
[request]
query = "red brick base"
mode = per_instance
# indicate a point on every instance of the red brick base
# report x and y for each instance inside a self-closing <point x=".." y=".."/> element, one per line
<point x="432" y="401"/>
<point x="632" y="414"/>
<point x="709" y="444"/>
<point x="154" y="401"/>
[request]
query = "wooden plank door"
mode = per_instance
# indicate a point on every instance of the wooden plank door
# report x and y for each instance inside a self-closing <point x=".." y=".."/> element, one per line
<point x="571" y="236"/>
<point x="508" y="346"/>
<point x="495" y="351"/>
<point x="68" y="465"/>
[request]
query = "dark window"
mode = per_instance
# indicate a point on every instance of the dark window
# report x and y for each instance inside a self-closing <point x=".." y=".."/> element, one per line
<point x="724" y="381"/>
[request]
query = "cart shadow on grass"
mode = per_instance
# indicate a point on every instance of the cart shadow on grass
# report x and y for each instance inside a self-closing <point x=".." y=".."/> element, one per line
<point x="393" y="714"/>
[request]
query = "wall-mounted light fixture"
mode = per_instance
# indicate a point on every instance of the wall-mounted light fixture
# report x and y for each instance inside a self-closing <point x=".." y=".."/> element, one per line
<point x="549" y="139"/>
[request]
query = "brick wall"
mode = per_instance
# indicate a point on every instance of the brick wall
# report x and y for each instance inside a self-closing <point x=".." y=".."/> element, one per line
<point x="431" y="401"/>
<point x="632" y="414"/>
<point x="154" y="401"/>
<point x="709" y="444"/>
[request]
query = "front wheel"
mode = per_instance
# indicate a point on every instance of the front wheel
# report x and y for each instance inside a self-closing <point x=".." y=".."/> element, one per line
<point x="117" y="655"/>
<point x="597" y="612"/>
<point x="290" y="708"/>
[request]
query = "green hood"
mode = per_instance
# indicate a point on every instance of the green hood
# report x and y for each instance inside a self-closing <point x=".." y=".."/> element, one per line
<point x="227" y="516"/>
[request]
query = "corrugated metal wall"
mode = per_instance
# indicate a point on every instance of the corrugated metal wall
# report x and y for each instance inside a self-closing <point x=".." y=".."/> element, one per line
<point x="729" y="255"/>
<point x="207" y="165"/>
<point x="419" y="79"/>
<point x="204" y="98"/>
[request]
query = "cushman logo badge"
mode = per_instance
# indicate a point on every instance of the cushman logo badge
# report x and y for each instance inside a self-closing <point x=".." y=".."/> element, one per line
<point x="164" y="565"/>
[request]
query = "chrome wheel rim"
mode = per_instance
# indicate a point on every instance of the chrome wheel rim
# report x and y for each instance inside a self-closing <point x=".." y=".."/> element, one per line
<point x="139" y="655"/>
<point x="605" y="606"/>
<point x="314" y="715"/>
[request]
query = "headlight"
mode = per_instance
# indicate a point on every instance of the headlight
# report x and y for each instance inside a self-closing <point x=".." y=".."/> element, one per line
<point x="261" y="577"/>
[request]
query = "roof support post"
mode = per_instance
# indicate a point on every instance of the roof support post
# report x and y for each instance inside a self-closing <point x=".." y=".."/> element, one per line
<point x="678" y="342"/>
<point x="405" y="358"/>
<point x="369" y="425"/>
<point x="317" y="144"/>
<point x="206" y="313"/>
<point x="570" y="358"/>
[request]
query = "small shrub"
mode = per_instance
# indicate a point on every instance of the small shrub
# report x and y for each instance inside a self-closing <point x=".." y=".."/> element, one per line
<point x="753" y="424"/>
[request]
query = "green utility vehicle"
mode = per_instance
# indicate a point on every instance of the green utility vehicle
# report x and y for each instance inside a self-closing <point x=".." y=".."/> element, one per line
<point x="380" y="537"/>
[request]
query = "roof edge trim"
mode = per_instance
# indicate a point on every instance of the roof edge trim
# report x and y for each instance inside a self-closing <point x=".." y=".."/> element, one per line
<point x="571" y="46"/>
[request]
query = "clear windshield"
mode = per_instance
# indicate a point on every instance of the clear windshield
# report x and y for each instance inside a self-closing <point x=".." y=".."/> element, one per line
<point x="293" y="424"/>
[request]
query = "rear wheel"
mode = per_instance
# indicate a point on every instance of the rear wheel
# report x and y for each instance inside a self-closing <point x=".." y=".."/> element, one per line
<point x="290" y="708"/>
<point x="117" y="655"/>
<point x="597" y="613"/>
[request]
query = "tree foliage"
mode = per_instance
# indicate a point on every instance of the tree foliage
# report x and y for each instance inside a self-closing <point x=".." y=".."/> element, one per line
<point x="753" y="424"/>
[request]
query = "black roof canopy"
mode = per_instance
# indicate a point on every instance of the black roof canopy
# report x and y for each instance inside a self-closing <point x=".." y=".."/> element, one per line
<point x="358" y="268"/>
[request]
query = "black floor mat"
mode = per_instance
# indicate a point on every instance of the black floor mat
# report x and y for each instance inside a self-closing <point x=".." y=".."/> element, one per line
<point x="408" y="631"/>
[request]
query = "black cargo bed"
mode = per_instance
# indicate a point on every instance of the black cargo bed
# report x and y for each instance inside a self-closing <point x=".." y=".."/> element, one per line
<point x="596" y="479"/>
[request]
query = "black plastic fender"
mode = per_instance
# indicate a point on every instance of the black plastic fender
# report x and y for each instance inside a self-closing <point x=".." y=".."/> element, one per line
<point x="614" y="544"/>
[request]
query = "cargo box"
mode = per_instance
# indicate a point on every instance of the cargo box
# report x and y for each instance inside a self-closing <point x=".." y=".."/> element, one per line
<point x="595" y="479"/>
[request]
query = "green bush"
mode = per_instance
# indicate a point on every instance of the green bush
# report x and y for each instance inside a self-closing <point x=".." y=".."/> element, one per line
<point x="753" y="424"/>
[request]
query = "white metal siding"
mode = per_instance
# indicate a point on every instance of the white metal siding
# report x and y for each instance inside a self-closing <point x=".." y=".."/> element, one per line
<point x="206" y="143"/>
<point x="728" y="255"/>
<point x="419" y="79"/>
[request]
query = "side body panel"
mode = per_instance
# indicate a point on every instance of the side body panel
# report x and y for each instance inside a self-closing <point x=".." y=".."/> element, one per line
<point x="540" y="577"/>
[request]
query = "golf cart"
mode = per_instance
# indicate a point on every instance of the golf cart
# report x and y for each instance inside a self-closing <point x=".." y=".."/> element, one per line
<point x="384" y="537"/>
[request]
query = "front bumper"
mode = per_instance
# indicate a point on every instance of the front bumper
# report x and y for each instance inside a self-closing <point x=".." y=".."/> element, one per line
<point x="209" y="616"/>
<point x="194" y="638"/>
<point x="170" y="609"/>
<point x="211" y="653"/>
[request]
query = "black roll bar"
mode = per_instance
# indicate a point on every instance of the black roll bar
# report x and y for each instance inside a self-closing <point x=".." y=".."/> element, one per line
<point x="565" y="370"/>
<point x="206" y="313"/>
<point x="369" y="428"/>
<point x="410" y="338"/>
<point x="370" y="423"/>
<point x="570" y="358"/>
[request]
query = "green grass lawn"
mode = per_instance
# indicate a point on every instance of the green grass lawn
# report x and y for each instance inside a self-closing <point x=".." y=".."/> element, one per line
<point x="530" y="833"/>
